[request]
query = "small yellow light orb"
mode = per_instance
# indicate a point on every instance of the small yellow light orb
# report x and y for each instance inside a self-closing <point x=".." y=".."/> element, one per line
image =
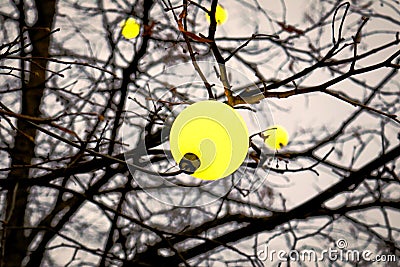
<point x="221" y="15"/>
<point x="276" y="137"/>
<point x="213" y="132"/>
<point x="130" y="28"/>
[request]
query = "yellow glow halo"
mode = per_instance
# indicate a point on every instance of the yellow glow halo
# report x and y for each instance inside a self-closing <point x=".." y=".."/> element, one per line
<point x="276" y="137"/>
<point x="221" y="15"/>
<point x="130" y="28"/>
<point x="215" y="133"/>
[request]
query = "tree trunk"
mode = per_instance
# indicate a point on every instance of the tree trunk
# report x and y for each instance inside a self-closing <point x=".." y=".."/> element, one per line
<point x="16" y="244"/>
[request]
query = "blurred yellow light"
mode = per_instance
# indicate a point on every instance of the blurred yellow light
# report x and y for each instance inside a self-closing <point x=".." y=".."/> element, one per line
<point x="215" y="133"/>
<point x="130" y="28"/>
<point x="221" y="15"/>
<point x="276" y="137"/>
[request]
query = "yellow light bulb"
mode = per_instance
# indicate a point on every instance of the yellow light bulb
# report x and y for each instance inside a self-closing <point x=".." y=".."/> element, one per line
<point x="221" y="15"/>
<point x="276" y="137"/>
<point x="130" y="28"/>
<point x="214" y="133"/>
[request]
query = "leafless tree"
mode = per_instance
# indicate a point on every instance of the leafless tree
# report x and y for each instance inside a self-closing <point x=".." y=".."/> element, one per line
<point x="71" y="191"/>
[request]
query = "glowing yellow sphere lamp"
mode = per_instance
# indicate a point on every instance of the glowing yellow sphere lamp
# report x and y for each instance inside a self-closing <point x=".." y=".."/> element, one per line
<point x="221" y="15"/>
<point x="130" y="28"/>
<point x="276" y="137"/>
<point x="211" y="134"/>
